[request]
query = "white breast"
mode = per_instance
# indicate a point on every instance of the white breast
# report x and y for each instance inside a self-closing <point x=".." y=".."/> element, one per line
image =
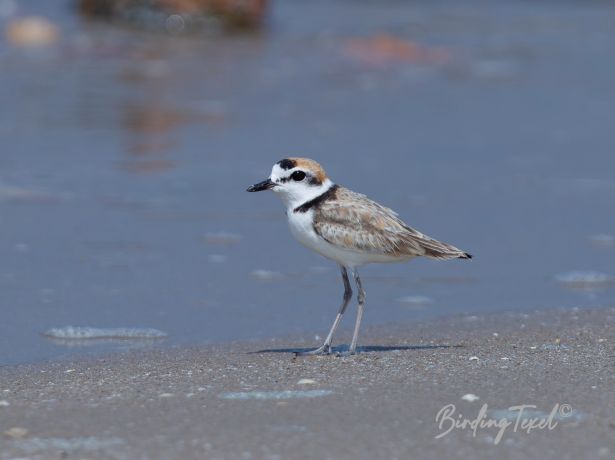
<point x="301" y="226"/>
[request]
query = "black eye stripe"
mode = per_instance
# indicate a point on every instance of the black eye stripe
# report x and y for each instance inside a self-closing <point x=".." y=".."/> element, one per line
<point x="299" y="176"/>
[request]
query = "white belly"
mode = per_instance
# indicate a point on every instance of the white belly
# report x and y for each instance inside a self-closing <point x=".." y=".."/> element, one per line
<point x="302" y="229"/>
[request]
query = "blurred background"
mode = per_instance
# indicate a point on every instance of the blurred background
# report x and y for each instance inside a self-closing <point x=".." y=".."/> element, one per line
<point x="130" y="129"/>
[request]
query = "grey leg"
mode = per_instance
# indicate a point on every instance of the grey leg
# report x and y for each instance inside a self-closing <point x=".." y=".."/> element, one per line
<point x="326" y="347"/>
<point x="361" y="303"/>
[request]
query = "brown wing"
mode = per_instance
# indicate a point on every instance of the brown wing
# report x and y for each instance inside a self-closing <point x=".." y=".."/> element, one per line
<point x="355" y="222"/>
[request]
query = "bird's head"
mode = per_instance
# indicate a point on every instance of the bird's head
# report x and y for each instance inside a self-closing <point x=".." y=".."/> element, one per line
<point x="296" y="180"/>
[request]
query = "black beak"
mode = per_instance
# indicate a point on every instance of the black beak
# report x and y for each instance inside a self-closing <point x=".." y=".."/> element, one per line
<point x="264" y="185"/>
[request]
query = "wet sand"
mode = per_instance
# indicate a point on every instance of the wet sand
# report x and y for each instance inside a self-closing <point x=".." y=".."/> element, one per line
<point x="229" y="401"/>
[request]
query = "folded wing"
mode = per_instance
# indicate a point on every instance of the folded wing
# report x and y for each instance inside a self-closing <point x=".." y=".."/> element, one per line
<point x="355" y="222"/>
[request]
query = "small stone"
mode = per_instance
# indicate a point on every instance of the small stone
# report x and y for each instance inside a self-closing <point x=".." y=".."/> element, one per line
<point x="69" y="371"/>
<point x="473" y="358"/>
<point x="470" y="397"/>
<point x="16" y="432"/>
<point x="306" y="382"/>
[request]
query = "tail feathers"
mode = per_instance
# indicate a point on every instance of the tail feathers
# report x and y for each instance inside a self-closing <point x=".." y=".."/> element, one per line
<point x="446" y="252"/>
<point x="442" y="256"/>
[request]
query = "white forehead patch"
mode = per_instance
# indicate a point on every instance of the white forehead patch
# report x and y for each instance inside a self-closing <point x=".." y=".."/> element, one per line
<point x="277" y="172"/>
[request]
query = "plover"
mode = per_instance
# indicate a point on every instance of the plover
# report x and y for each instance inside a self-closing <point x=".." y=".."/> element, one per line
<point x="346" y="227"/>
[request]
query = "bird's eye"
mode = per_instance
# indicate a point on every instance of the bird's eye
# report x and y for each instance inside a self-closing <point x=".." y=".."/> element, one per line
<point x="298" y="176"/>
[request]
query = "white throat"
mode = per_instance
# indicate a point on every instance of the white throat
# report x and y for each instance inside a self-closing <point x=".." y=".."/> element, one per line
<point x="296" y="195"/>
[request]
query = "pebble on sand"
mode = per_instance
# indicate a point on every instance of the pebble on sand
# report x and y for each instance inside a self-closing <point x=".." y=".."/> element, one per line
<point x="306" y="382"/>
<point x="32" y="32"/>
<point x="470" y="397"/>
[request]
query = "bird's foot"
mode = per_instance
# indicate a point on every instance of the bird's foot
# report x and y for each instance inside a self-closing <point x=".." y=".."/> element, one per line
<point x="325" y="349"/>
<point x="342" y="354"/>
<point x="348" y="351"/>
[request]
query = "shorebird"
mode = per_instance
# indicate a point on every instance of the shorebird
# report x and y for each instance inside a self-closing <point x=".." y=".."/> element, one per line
<point x="346" y="227"/>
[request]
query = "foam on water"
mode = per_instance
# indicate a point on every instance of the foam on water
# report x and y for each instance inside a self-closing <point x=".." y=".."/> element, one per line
<point x="222" y="238"/>
<point x="602" y="240"/>
<point x="266" y="275"/>
<point x="585" y="279"/>
<point x="415" y="300"/>
<point x="25" y="195"/>
<point x="38" y="445"/>
<point x="90" y="333"/>
<point x="287" y="394"/>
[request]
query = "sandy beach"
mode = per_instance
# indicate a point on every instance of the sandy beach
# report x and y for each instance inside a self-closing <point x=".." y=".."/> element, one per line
<point x="237" y="401"/>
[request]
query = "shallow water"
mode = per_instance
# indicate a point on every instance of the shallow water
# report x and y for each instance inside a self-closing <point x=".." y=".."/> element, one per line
<point x="126" y="156"/>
